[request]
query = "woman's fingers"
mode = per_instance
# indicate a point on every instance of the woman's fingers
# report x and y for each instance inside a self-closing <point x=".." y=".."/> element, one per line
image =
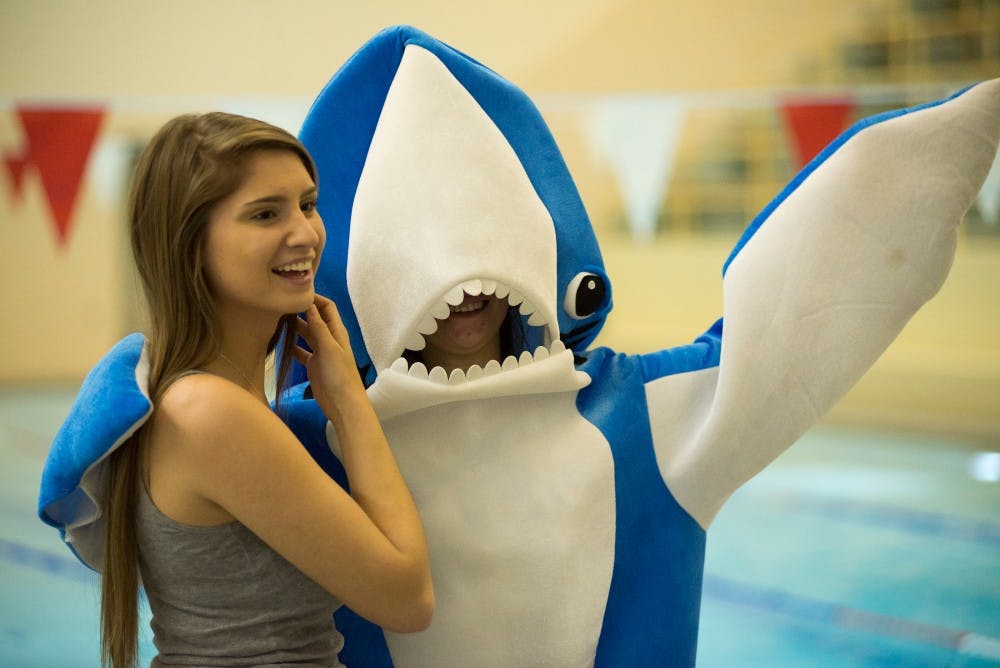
<point x="322" y="327"/>
<point x="316" y="322"/>
<point x="306" y="330"/>
<point x="301" y="355"/>
<point x="327" y="310"/>
<point x="331" y="316"/>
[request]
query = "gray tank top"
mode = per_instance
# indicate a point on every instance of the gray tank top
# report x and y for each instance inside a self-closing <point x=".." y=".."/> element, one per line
<point x="221" y="597"/>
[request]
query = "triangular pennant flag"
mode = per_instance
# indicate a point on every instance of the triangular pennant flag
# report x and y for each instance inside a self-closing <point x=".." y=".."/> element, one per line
<point x="639" y="137"/>
<point x="814" y="123"/>
<point x="15" y="167"/>
<point x="989" y="195"/>
<point x="59" y="142"/>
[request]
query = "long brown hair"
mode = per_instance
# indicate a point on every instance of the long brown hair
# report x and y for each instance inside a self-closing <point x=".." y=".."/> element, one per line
<point x="192" y="163"/>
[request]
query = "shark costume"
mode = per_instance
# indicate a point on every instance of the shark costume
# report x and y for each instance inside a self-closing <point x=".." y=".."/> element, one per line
<point x="566" y="491"/>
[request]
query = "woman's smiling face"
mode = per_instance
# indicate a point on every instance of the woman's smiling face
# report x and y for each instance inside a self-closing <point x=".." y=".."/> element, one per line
<point x="264" y="241"/>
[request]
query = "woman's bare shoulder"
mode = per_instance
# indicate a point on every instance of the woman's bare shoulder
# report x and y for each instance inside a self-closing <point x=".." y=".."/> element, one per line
<point x="211" y="442"/>
<point x="203" y="405"/>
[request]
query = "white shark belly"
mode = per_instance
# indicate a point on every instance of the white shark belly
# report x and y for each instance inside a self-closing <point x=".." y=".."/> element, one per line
<point x="518" y="502"/>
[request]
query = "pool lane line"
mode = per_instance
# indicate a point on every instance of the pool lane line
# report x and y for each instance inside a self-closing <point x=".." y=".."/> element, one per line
<point x="45" y="562"/>
<point x="848" y="618"/>
<point x="887" y="516"/>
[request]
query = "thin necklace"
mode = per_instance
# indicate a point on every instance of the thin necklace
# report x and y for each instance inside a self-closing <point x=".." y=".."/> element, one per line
<point x="246" y="378"/>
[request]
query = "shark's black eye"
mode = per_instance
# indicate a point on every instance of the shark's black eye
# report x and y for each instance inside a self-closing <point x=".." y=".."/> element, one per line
<point x="584" y="295"/>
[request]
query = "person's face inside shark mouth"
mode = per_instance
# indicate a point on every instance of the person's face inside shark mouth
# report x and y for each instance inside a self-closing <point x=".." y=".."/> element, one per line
<point x="460" y="339"/>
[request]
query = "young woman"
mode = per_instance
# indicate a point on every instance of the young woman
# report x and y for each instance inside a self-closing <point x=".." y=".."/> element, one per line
<point x="243" y="545"/>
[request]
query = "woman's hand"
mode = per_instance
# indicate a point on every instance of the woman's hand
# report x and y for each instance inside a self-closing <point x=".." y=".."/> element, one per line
<point x="376" y="484"/>
<point x="330" y="365"/>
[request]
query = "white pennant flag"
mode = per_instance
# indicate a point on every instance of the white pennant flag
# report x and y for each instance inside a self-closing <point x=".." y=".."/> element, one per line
<point x="989" y="195"/>
<point x="639" y="137"/>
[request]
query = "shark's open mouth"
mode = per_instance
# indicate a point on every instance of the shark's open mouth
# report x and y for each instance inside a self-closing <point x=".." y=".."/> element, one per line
<point x="451" y="302"/>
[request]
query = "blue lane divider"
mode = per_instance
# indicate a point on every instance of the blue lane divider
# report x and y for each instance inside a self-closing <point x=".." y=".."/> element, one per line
<point x="885" y="516"/>
<point x="46" y="562"/>
<point x="832" y="614"/>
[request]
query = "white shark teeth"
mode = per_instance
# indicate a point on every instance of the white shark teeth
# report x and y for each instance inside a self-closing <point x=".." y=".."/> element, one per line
<point x="535" y="317"/>
<point x="492" y="368"/>
<point x="440" y="311"/>
<point x="428" y="325"/>
<point x="415" y="342"/>
<point x="454" y="296"/>
<point x="473" y="288"/>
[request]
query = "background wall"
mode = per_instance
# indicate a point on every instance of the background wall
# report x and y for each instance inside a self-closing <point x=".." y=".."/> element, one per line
<point x="706" y="80"/>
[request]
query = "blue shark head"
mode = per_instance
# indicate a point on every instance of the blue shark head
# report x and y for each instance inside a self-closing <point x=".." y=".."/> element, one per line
<point x="439" y="177"/>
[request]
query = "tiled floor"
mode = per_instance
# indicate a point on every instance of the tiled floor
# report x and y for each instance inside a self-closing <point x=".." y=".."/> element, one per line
<point x="853" y="549"/>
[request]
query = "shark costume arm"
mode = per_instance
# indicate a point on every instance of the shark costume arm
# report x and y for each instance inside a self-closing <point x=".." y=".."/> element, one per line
<point x="818" y="287"/>
<point x="112" y="404"/>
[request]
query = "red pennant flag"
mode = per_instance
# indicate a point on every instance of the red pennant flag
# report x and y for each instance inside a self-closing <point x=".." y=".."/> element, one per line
<point x="59" y="142"/>
<point x="814" y="124"/>
<point x="16" y="165"/>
